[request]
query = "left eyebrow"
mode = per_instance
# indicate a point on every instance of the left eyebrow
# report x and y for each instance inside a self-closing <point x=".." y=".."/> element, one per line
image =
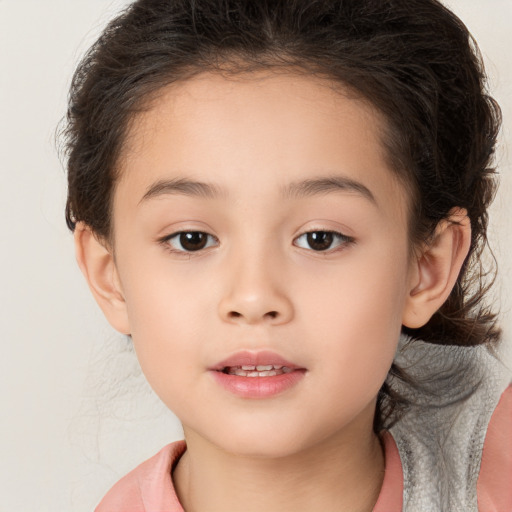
<point x="296" y="190"/>
<point x="325" y="185"/>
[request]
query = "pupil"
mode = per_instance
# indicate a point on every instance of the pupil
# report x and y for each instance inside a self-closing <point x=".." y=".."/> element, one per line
<point x="193" y="241"/>
<point x="320" y="240"/>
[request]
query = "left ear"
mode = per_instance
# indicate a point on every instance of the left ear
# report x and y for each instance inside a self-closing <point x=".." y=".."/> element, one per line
<point x="436" y="268"/>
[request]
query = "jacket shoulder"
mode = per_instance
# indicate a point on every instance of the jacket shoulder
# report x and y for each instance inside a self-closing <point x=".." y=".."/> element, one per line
<point x="494" y="481"/>
<point x="148" y="487"/>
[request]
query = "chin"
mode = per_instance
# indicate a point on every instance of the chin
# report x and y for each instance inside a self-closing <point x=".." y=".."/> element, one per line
<point x="264" y="440"/>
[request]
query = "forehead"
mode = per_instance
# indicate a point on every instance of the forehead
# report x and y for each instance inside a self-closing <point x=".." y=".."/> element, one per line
<point x="257" y="133"/>
<point x="265" y="99"/>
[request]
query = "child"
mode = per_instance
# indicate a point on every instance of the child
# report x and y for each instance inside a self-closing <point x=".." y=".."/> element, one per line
<point x="284" y="203"/>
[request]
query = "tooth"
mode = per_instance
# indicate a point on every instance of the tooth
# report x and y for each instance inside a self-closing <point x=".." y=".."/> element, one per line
<point x="262" y="367"/>
<point x="236" y="370"/>
<point x="277" y="366"/>
<point x="248" y="367"/>
<point x="269" y="373"/>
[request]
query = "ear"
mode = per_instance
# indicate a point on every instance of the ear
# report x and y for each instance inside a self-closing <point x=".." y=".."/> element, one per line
<point x="97" y="264"/>
<point x="436" y="269"/>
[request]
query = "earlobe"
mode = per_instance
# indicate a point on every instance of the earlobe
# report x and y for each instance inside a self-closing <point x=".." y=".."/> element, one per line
<point x="437" y="268"/>
<point x="98" y="267"/>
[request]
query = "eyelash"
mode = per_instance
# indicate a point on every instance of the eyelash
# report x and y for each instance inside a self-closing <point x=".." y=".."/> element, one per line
<point x="343" y="241"/>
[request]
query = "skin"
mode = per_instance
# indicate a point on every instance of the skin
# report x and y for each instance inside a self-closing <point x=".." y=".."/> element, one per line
<point x="259" y="285"/>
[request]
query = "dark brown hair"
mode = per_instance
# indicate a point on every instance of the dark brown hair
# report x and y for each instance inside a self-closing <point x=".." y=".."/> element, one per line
<point x="413" y="60"/>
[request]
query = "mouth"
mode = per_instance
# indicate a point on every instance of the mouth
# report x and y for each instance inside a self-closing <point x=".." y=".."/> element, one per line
<point x="257" y="375"/>
<point x="255" y="364"/>
<point x="269" y="370"/>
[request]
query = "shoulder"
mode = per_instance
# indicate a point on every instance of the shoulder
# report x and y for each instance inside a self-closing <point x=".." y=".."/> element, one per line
<point x="494" y="492"/>
<point x="493" y="487"/>
<point x="148" y="487"/>
<point x="455" y="436"/>
<point x="390" y="497"/>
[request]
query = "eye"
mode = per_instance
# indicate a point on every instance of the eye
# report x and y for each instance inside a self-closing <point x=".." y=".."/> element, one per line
<point x="189" y="241"/>
<point x="322" y="240"/>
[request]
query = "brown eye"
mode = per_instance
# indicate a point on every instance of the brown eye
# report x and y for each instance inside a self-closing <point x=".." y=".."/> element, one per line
<point x="322" y="240"/>
<point x="190" y="241"/>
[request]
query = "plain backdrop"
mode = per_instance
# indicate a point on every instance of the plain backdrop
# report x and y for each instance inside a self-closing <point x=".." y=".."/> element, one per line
<point x="75" y="412"/>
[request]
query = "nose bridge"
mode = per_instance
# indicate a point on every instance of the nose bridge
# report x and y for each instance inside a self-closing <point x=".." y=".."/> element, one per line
<point x="255" y="290"/>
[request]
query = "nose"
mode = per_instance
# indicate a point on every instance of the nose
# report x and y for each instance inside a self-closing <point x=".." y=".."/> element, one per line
<point x="255" y="293"/>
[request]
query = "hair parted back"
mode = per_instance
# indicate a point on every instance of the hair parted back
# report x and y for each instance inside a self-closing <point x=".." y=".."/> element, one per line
<point x="413" y="60"/>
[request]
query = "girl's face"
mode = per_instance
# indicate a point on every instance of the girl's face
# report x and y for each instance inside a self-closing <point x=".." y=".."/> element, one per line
<point x="221" y="182"/>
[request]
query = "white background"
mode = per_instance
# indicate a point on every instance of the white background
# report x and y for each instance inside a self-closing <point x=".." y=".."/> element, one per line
<point x="75" y="413"/>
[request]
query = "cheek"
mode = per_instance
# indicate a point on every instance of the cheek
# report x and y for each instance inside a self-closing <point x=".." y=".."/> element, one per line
<point x="366" y="290"/>
<point x="357" y="322"/>
<point x="163" y="311"/>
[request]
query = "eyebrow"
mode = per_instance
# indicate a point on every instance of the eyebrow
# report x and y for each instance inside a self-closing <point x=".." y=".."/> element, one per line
<point x="296" y="190"/>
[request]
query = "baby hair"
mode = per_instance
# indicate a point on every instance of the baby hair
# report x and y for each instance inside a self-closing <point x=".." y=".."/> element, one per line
<point x="412" y="60"/>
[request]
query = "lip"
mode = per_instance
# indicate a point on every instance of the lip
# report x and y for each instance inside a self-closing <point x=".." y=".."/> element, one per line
<point x="263" y="357"/>
<point x="257" y="387"/>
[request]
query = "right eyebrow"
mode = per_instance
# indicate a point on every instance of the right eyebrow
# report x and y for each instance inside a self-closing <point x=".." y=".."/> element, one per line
<point x="183" y="186"/>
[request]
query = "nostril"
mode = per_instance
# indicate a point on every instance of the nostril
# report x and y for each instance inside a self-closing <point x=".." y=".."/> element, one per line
<point x="236" y="314"/>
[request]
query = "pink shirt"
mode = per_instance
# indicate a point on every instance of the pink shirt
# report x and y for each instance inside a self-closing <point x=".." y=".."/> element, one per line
<point x="149" y="487"/>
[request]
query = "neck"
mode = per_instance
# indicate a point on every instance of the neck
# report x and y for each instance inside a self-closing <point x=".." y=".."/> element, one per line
<point x="343" y="472"/>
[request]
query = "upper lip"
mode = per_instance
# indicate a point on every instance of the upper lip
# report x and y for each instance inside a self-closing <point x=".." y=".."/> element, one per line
<point x="248" y="358"/>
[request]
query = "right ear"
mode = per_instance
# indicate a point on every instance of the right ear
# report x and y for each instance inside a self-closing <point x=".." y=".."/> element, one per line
<point x="97" y="264"/>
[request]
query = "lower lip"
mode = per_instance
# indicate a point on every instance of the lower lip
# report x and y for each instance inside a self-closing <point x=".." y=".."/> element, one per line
<point x="258" y="387"/>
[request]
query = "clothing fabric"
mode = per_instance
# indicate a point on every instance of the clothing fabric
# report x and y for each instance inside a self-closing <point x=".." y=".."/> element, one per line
<point x="450" y="452"/>
<point x="441" y="437"/>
